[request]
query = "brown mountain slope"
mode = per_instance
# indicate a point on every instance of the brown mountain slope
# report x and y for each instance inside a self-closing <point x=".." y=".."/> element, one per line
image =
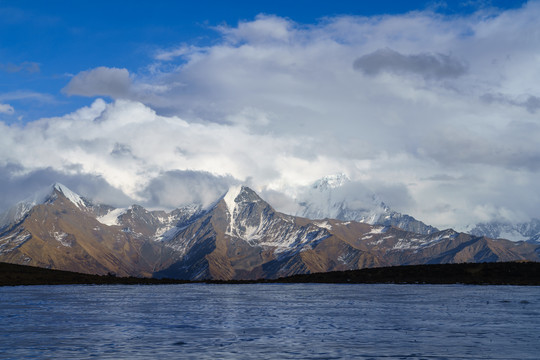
<point x="241" y="237"/>
<point x="60" y="235"/>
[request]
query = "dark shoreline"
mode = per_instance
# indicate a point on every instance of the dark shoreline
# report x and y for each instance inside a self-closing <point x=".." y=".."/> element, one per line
<point x="507" y="273"/>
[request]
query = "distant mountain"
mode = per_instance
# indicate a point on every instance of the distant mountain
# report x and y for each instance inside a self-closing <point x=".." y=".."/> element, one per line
<point x="336" y="197"/>
<point x="525" y="231"/>
<point x="239" y="237"/>
<point x="243" y="237"/>
<point x="59" y="229"/>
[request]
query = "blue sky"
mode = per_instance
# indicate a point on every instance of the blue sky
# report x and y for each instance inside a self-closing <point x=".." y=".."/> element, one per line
<point x="432" y="105"/>
<point x="44" y="43"/>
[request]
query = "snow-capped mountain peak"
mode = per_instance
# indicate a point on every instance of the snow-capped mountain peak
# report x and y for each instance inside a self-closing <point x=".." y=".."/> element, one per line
<point x="331" y="182"/>
<point x="45" y="195"/>
<point x="337" y="197"/>
<point x="70" y="195"/>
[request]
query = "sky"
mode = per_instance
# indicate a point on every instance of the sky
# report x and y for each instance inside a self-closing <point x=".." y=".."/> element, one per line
<point x="432" y="105"/>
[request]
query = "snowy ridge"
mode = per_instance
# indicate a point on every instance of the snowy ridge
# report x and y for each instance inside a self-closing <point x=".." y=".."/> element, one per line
<point x="524" y="231"/>
<point x="19" y="210"/>
<point x="167" y="230"/>
<point x="254" y="221"/>
<point x="73" y="197"/>
<point x="177" y="221"/>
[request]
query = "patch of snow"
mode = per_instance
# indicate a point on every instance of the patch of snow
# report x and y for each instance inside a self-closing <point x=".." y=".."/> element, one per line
<point x="378" y="230"/>
<point x="12" y="242"/>
<point x="324" y="224"/>
<point x="378" y="242"/>
<point x="404" y="244"/>
<point x="164" y="234"/>
<point x="60" y="237"/>
<point x="230" y="202"/>
<point x="415" y="243"/>
<point x="230" y="198"/>
<point x="111" y="218"/>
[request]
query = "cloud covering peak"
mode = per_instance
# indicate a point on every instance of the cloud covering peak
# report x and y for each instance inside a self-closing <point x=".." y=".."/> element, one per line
<point x="437" y="114"/>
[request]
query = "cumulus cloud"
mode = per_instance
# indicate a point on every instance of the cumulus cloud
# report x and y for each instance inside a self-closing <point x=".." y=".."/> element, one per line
<point x="101" y="81"/>
<point x="278" y="104"/>
<point x="6" y="109"/>
<point x="429" y="66"/>
<point x="130" y="146"/>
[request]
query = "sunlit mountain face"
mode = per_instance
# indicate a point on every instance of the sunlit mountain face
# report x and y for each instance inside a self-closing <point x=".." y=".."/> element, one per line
<point x="240" y="236"/>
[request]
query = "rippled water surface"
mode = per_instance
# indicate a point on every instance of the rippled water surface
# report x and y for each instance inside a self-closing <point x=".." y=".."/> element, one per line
<point x="270" y="321"/>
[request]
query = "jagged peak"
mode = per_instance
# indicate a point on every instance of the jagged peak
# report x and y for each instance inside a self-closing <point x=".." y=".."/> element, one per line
<point x="238" y="194"/>
<point x="45" y="195"/>
<point x="69" y="194"/>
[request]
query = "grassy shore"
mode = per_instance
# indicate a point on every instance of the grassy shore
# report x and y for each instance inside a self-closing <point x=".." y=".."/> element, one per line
<point x="508" y="273"/>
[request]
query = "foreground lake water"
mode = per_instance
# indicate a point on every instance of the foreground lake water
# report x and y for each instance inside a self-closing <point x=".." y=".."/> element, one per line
<point x="270" y="321"/>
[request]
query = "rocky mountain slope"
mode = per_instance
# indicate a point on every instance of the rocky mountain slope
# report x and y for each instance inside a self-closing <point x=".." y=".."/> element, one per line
<point x="239" y="237"/>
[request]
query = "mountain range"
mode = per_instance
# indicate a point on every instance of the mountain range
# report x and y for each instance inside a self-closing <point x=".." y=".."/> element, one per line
<point x="522" y="231"/>
<point x="239" y="237"/>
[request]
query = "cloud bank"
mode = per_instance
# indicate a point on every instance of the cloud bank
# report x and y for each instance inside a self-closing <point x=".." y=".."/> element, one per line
<point x="436" y="114"/>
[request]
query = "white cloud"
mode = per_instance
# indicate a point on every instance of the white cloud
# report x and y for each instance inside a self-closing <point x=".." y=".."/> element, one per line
<point x="129" y="146"/>
<point x="6" y="109"/>
<point x="279" y="104"/>
<point x="170" y="54"/>
<point x="265" y="29"/>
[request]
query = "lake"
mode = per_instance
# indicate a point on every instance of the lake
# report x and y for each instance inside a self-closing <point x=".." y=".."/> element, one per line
<point x="270" y="321"/>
